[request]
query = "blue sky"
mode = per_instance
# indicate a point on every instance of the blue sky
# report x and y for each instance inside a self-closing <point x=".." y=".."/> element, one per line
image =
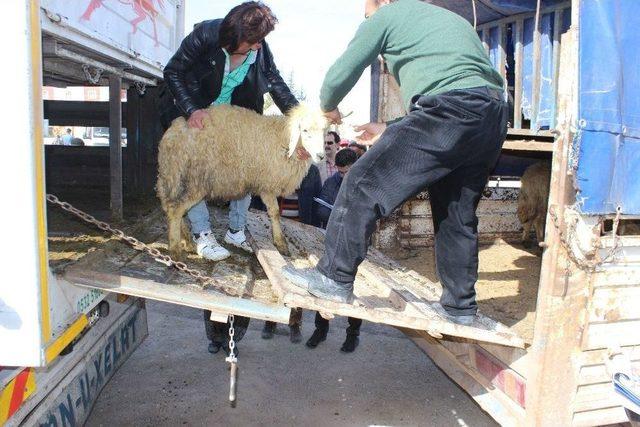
<point x="309" y="37"/>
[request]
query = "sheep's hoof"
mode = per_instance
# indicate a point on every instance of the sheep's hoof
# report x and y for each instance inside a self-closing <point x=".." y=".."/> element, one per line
<point x="283" y="249"/>
<point x="177" y="255"/>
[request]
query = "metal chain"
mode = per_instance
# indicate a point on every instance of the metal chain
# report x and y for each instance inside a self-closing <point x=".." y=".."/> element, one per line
<point x="140" y="87"/>
<point x="135" y="243"/>
<point x="92" y="79"/>
<point x="233" y="360"/>
<point x="232" y="331"/>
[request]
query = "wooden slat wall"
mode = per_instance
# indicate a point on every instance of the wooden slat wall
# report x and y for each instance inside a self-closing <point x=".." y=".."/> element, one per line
<point x="516" y="23"/>
<point x="614" y="322"/>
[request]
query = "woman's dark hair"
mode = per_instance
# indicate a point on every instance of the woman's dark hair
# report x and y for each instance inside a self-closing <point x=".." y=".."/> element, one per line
<point x="346" y="157"/>
<point x="248" y="22"/>
<point x="336" y="137"/>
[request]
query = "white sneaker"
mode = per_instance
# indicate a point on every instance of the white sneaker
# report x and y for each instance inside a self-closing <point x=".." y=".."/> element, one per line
<point x="208" y="247"/>
<point x="238" y="239"/>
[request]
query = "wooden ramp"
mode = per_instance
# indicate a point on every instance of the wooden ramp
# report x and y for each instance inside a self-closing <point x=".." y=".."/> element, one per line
<point x="240" y="286"/>
<point x="385" y="292"/>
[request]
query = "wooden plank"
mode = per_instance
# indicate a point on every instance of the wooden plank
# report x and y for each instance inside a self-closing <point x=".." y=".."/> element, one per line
<point x="402" y="306"/>
<point x="617" y="276"/>
<point x="537" y="70"/>
<point x="615" y="304"/>
<point x="376" y="72"/>
<point x="420" y="291"/>
<point x="115" y="148"/>
<point x="530" y="132"/>
<point x="596" y="374"/>
<point x="118" y="268"/>
<point x="502" y="53"/>
<point x="518" y="58"/>
<point x="610" y="335"/>
<point x="604" y="416"/>
<point x="485" y="40"/>
<point x="595" y="396"/>
<point x="517" y="359"/>
<point x="596" y="357"/>
<point x="527" y="145"/>
<point x="504" y="410"/>
<point x="557" y="23"/>
<point x="187" y="295"/>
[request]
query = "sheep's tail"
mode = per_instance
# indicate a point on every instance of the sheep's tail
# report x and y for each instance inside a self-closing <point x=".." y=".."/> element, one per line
<point x="169" y="185"/>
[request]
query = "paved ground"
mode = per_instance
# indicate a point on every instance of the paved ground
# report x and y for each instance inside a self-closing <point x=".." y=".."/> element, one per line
<point x="172" y="380"/>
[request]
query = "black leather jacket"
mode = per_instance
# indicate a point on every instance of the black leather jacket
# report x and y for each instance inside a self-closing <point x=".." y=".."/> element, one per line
<point x="194" y="77"/>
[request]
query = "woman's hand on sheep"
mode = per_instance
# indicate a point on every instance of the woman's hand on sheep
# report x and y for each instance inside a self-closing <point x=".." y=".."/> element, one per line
<point x="370" y="131"/>
<point x="334" y="116"/>
<point x="196" y="119"/>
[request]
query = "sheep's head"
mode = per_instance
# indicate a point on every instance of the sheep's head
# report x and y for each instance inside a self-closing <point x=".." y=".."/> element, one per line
<point x="306" y="127"/>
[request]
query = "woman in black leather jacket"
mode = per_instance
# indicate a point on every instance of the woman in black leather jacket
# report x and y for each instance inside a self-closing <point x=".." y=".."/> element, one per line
<point x="223" y="61"/>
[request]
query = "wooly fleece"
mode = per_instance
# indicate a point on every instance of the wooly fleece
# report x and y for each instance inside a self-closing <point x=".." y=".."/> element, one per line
<point x="238" y="152"/>
<point x="533" y="199"/>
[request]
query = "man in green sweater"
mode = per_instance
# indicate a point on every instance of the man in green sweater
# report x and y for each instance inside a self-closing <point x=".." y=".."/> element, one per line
<point x="448" y="142"/>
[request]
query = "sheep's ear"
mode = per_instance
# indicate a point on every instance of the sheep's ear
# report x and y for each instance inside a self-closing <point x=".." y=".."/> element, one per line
<point x="294" y="137"/>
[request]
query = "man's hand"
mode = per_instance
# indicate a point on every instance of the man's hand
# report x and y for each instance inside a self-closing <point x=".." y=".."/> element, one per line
<point x="334" y="116"/>
<point x="302" y="153"/>
<point x="196" y="119"/>
<point x="370" y="131"/>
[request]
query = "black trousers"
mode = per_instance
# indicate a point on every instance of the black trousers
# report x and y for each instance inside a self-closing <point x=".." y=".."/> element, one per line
<point x="447" y="143"/>
<point x="352" y="329"/>
<point x="218" y="332"/>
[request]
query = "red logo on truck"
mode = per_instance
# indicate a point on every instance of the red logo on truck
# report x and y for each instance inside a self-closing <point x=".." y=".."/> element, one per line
<point x="144" y="9"/>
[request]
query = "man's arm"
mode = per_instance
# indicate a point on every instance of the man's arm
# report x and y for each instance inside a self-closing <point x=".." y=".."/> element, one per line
<point x="192" y="47"/>
<point x="366" y="45"/>
<point x="278" y="89"/>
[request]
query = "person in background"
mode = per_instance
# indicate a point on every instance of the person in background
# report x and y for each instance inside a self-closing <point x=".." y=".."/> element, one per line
<point x="359" y="149"/>
<point x="344" y="160"/>
<point x="67" y="137"/>
<point x="223" y="61"/>
<point x="327" y="166"/>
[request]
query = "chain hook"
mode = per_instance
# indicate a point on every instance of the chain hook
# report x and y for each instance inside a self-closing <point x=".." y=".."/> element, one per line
<point x="233" y="360"/>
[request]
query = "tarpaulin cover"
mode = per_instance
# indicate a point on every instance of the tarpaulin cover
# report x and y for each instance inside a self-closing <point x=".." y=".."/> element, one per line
<point x="609" y="107"/>
<point x="490" y="10"/>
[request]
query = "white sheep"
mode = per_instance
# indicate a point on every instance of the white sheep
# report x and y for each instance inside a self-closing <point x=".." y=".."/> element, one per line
<point x="239" y="151"/>
<point x="533" y="200"/>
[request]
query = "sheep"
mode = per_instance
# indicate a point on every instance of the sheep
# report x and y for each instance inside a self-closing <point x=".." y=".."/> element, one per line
<point x="533" y="199"/>
<point x="237" y="152"/>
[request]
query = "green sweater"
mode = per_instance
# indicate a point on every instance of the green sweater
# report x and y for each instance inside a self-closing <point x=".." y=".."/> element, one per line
<point x="428" y="49"/>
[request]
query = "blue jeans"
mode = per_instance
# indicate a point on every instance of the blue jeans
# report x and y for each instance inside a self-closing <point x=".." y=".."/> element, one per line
<point x="199" y="215"/>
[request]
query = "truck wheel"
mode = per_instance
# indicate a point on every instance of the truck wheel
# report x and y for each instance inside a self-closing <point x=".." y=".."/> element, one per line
<point x="103" y="309"/>
<point x="68" y="349"/>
